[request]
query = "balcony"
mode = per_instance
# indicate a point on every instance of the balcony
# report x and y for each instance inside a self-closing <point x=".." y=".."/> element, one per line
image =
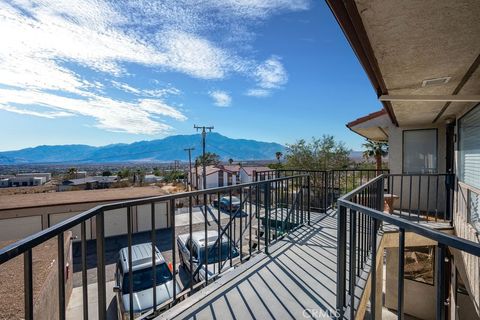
<point x="307" y="243"/>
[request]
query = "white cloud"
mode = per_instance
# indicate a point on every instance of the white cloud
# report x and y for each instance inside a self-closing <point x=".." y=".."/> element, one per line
<point x="45" y="45"/>
<point x="271" y="74"/>
<point x="114" y="115"/>
<point x="258" y="93"/>
<point x="221" y="98"/>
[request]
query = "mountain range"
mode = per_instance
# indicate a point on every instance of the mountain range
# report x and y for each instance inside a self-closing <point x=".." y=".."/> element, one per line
<point x="162" y="150"/>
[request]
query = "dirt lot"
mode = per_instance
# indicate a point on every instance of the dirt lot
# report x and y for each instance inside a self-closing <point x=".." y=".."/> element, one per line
<point x="11" y="273"/>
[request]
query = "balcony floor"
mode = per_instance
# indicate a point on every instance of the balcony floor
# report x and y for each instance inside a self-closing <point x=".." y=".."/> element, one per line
<point x="297" y="277"/>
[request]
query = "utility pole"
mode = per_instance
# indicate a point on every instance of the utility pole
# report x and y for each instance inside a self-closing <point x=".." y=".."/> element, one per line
<point x="204" y="136"/>
<point x="189" y="150"/>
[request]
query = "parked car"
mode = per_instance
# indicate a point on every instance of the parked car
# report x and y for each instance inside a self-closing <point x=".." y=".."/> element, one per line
<point x="226" y="205"/>
<point x="142" y="272"/>
<point x="197" y="245"/>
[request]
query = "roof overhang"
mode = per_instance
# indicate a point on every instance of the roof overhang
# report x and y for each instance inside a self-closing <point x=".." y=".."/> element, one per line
<point x="406" y="47"/>
<point x="372" y="126"/>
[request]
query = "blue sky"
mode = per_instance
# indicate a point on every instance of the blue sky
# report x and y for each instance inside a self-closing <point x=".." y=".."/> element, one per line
<point x="100" y="72"/>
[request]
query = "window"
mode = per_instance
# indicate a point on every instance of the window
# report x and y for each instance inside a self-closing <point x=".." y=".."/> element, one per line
<point x="469" y="159"/>
<point x="220" y="178"/>
<point x="229" y="179"/>
<point x="143" y="278"/>
<point x="420" y="151"/>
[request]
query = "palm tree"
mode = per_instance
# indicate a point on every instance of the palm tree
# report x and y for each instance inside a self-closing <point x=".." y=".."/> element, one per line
<point x="377" y="150"/>
<point x="278" y="155"/>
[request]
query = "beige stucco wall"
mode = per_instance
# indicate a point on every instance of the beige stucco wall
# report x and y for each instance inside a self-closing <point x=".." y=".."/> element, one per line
<point x="19" y="223"/>
<point x="424" y="186"/>
<point x="419" y="298"/>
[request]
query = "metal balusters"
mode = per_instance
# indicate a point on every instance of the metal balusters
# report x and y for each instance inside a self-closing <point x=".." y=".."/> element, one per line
<point x="28" y="284"/>
<point x="174" y="259"/>
<point x="419" y="195"/>
<point x="61" y="275"/>
<point x="250" y="224"/>
<point x="373" y="282"/>
<point x="241" y="227"/>
<point x="220" y="240"/>
<point x="83" y="235"/>
<point x="353" y="245"/>
<point x="401" y="272"/>
<point x="130" y="267"/>
<point x="440" y="281"/>
<point x="153" y="237"/>
<point x="101" y="283"/>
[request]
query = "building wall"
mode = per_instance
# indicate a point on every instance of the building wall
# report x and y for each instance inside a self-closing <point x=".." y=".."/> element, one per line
<point x="423" y="187"/>
<point x="20" y="223"/>
<point x="419" y="298"/>
<point x="395" y="141"/>
<point x="464" y="229"/>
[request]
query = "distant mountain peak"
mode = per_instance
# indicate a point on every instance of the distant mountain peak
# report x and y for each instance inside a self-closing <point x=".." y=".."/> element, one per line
<point x="163" y="150"/>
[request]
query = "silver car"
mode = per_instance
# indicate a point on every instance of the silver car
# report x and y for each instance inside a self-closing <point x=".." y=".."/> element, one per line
<point x="142" y="272"/>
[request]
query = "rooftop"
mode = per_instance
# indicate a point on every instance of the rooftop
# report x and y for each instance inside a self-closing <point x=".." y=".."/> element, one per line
<point x="18" y="201"/>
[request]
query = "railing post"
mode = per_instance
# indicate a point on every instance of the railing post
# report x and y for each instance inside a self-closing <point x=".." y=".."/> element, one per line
<point x="401" y="271"/>
<point x="353" y="261"/>
<point x="101" y="289"/>
<point x="83" y="234"/>
<point x="267" y="216"/>
<point x="341" y="256"/>
<point x="440" y="281"/>
<point x="61" y="275"/>
<point x="325" y="191"/>
<point x="308" y="199"/>
<point x="373" y="282"/>
<point x="28" y="284"/>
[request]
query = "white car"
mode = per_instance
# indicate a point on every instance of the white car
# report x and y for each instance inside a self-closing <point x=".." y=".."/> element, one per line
<point x="142" y="272"/>
<point x="197" y="245"/>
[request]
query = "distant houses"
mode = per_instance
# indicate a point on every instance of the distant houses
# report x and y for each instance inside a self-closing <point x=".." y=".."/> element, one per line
<point x="88" y="183"/>
<point x="25" y="179"/>
<point x="224" y="175"/>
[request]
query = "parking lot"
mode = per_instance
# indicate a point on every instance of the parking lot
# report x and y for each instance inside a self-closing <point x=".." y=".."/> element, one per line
<point x="163" y="243"/>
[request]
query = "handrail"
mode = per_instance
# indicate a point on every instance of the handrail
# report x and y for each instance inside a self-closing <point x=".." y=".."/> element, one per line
<point x="17" y="248"/>
<point x="361" y="209"/>
<point x="452" y="241"/>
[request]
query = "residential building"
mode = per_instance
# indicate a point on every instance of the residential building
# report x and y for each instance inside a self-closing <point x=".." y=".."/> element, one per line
<point x="248" y="174"/>
<point x="225" y="175"/>
<point x="151" y="178"/>
<point x="88" y="183"/>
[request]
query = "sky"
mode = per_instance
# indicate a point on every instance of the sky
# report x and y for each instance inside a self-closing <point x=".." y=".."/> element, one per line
<point x="99" y="72"/>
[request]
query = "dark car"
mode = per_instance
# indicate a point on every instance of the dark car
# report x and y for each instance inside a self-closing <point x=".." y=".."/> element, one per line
<point x="225" y="204"/>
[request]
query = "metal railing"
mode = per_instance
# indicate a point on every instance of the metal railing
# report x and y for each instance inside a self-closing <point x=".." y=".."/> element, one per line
<point x="326" y="185"/>
<point x="269" y="209"/>
<point x="421" y="197"/>
<point x="360" y="217"/>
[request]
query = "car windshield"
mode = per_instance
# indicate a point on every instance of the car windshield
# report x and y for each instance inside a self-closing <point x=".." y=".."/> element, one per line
<point x="143" y="278"/>
<point x="235" y="200"/>
<point x="213" y="256"/>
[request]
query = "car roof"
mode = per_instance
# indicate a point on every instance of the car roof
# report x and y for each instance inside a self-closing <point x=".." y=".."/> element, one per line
<point x="141" y="256"/>
<point x="199" y="237"/>
<point x="228" y="198"/>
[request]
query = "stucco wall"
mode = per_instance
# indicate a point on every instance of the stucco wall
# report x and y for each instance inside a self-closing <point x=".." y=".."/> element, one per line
<point x="419" y="298"/>
<point x="24" y="222"/>
<point x="45" y="307"/>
